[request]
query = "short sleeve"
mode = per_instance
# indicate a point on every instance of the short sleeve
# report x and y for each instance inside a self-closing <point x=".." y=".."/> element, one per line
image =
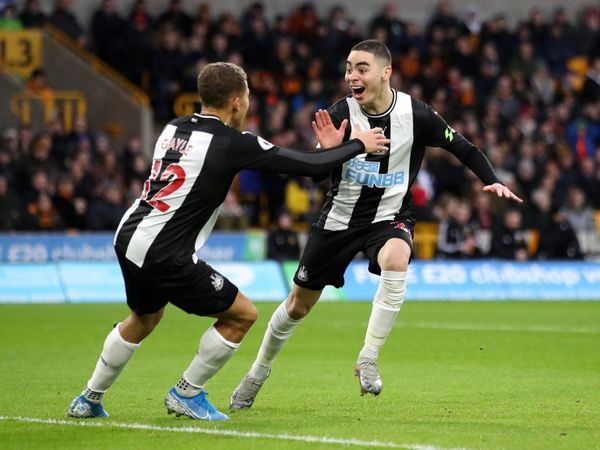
<point x="248" y="151"/>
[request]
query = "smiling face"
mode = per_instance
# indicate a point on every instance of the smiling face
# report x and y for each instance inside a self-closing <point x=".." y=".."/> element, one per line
<point x="369" y="80"/>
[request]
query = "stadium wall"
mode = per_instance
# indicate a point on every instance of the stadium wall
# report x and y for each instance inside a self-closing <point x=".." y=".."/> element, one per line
<point x="80" y="269"/>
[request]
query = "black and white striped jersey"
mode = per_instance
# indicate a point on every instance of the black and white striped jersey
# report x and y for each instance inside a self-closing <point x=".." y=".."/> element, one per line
<point x="375" y="187"/>
<point x="195" y="160"/>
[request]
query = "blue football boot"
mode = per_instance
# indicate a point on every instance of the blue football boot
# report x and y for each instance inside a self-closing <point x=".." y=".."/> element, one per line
<point x="197" y="407"/>
<point x="82" y="408"/>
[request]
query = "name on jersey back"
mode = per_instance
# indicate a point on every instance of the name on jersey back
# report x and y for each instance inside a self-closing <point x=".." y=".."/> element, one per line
<point x="176" y="144"/>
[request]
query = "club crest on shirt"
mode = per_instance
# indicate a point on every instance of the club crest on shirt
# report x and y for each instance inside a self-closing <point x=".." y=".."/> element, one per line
<point x="302" y="273"/>
<point x="217" y="281"/>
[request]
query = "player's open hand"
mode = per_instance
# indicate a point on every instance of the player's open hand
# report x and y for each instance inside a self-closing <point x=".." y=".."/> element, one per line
<point x="373" y="139"/>
<point x="327" y="134"/>
<point x="502" y="191"/>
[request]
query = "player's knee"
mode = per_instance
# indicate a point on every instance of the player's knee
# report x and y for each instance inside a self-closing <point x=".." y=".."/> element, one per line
<point x="297" y="307"/>
<point x="395" y="262"/>
<point x="247" y="318"/>
<point x="136" y="328"/>
<point x="251" y="316"/>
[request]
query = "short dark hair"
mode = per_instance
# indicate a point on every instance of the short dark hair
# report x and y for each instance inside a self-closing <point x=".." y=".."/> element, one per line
<point x="218" y="82"/>
<point x="376" y="48"/>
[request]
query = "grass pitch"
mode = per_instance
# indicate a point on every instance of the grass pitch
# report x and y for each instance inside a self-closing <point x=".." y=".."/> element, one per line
<point x="456" y="375"/>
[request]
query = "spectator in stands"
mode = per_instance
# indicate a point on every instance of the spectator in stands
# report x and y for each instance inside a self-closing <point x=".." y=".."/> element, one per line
<point x="577" y="211"/>
<point x="32" y="15"/>
<point x="231" y="214"/>
<point x="9" y="146"/>
<point x="80" y="139"/>
<point x="556" y="237"/>
<point x="167" y="67"/>
<point x="250" y="188"/>
<point x="582" y="134"/>
<point x="509" y="240"/>
<point x="38" y="183"/>
<point x="587" y="32"/>
<point x="446" y="20"/>
<point x="139" y="14"/>
<point x="138" y="42"/>
<point x="282" y="241"/>
<point x="38" y="84"/>
<point x="176" y="18"/>
<point x="525" y="62"/>
<point x="63" y="19"/>
<point x="105" y="211"/>
<point x="9" y="21"/>
<point x="41" y="215"/>
<point x="388" y="21"/>
<point x="10" y="207"/>
<point x="543" y="85"/>
<point x="257" y="43"/>
<point x="108" y="34"/>
<point x="485" y="220"/>
<point x="303" y="20"/>
<point x="254" y="11"/>
<point x="457" y="236"/>
<point x="60" y="139"/>
<point x="41" y="158"/>
<point x="589" y="180"/>
<point x="81" y="176"/>
<point x="71" y="209"/>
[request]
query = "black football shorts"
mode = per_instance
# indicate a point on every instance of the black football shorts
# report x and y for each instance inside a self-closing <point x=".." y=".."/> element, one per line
<point x="328" y="253"/>
<point x="196" y="288"/>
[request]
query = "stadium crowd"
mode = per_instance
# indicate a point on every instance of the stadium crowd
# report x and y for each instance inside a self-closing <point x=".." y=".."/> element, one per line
<point x="528" y="95"/>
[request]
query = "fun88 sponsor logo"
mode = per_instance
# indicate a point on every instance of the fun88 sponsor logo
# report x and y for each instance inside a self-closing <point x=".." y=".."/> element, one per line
<point x="366" y="173"/>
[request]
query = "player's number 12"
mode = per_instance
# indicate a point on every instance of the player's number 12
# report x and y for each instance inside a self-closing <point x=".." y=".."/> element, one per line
<point x="174" y="175"/>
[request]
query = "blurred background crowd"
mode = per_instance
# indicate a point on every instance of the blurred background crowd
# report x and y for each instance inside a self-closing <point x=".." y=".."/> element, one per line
<point x="527" y="94"/>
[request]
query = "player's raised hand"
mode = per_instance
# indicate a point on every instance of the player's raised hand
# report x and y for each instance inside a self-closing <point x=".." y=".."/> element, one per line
<point x="373" y="139"/>
<point x="502" y="191"/>
<point x="327" y="134"/>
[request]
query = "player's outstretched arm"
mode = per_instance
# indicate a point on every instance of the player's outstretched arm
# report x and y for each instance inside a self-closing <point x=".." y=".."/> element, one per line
<point x="502" y="191"/>
<point x="322" y="161"/>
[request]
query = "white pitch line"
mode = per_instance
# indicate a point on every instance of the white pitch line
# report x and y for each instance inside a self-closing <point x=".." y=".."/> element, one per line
<point x="217" y="432"/>
<point x="484" y="327"/>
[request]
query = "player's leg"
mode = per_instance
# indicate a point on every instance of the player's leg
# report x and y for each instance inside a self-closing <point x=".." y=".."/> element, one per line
<point x="393" y="259"/>
<point x="324" y="261"/>
<point x="282" y="324"/>
<point x="218" y="344"/>
<point x="235" y="315"/>
<point x="119" y="346"/>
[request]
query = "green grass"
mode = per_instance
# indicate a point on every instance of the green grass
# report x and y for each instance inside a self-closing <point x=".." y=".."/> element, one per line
<point x="471" y="375"/>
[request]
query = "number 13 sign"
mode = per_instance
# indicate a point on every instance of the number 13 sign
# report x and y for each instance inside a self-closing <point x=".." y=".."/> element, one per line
<point x="20" y="51"/>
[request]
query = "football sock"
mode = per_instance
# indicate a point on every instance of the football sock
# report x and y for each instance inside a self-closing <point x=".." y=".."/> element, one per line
<point x="386" y="304"/>
<point x="280" y="328"/>
<point x="115" y="354"/>
<point x="214" y="351"/>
